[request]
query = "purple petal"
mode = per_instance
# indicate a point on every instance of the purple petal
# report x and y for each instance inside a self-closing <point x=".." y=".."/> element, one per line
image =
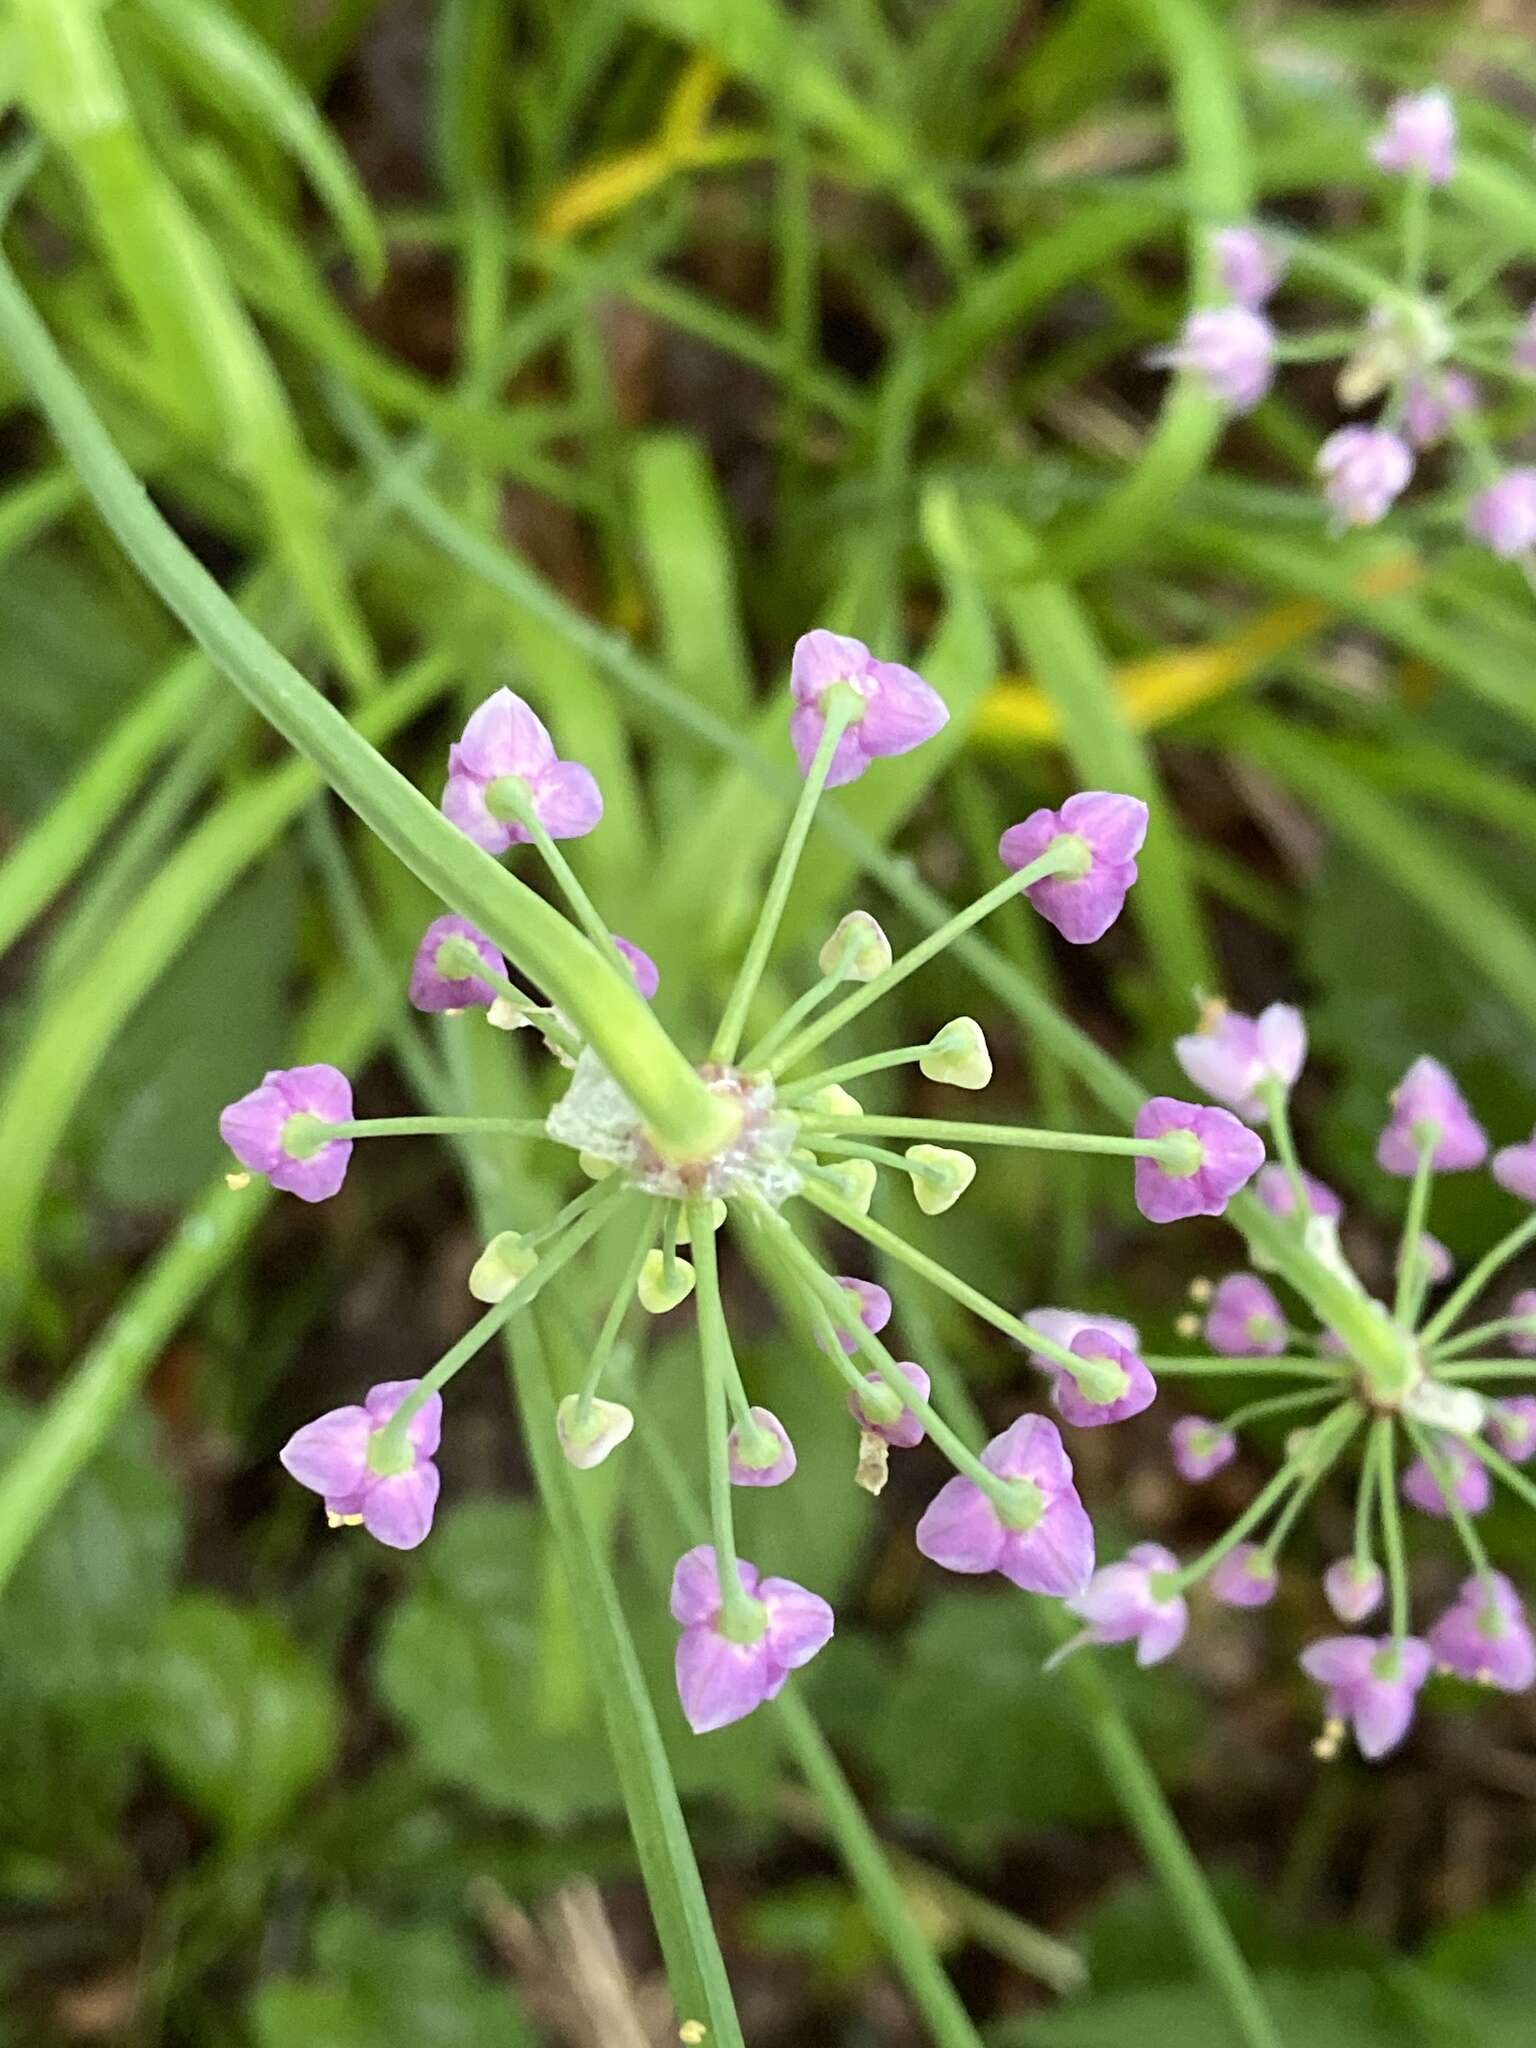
<point x="783" y="1466"/>
<point x="641" y="966"/>
<point x="431" y="990"/>
<point x="567" y="800"/>
<point x="505" y="736"/>
<point x="696" y="1585"/>
<point x="1056" y="1555"/>
<point x="902" y="711"/>
<point x="398" y="1510"/>
<point x="1339" y="1660"/>
<point x="960" y="1529"/>
<point x="330" y="1454"/>
<point x="1114" y="826"/>
<point x="1030" y="1448"/>
<point x="821" y="659"/>
<point x="719" y="1682"/>
<point x="799" y="1622"/>
<point x="424" y="1431"/>
<point x="252" y="1128"/>
<point x="463" y="805"/>
<point x="315" y="1179"/>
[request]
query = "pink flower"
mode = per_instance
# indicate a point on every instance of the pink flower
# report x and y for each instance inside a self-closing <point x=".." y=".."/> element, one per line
<point x="1420" y="135"/>
<point x="1514" y="1168"/>
<point x="1427" y="1106"/>
<point x="431" y="989"/>
<point x="641" y="966"/>
<point x="1111" y="1362"/>
<point x="1511" y="1424"/>
<point x="1062" y="1325"/>
<point x="331" y="1457"/>
<point x="1125" y="1602"/>
<point x="1485" y="1636"/>
<point x="1503" y="517"/>
<point x="1274" y="1190"/>
<point x="1353" y="1589"/>
<point x="1245" y="1577"/>
<point x="1234" y="1057"/>
<point x="1200" y="1448"/>
<point x="1523" y="1342"/>
<point x="900" y="710"/>
<point x="1366" y="470"/>
<point x="260" y="1130"/>
<point x="1225" y="1155"/>
<point x="1372" y="1684"/>
<point x="1432" y="401"/>
<point x="1249" y="265"/>
<point x="1231" y="349"/>
<point x="1469" y="1480"/>
<point x="769" y="1460"/>
<point x="1244" y="1319"/>
<point x="1049" y="1549"/>
<point x="505" y="741"/>
<point x="874" y="1309"/>
<point x="906" y="1432"/>
<point x="1108" y="831"/>
<point x="718" y="1680"/>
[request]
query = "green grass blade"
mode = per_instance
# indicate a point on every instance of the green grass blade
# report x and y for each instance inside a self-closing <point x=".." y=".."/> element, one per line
<point x="219" y="57"/>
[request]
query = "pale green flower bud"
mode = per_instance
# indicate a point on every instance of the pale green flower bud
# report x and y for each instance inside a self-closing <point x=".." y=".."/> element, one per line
<point x="587" y="1442"/>
<point x="663" y="1286"/>
<point x="958" y="1055"/>
<point x="854" y="1181"/>
<point x="858" y="949"/>
<point x="506" y="1260"/>
<point x="939" y="1176"/>
<point x="832" y="1101"/>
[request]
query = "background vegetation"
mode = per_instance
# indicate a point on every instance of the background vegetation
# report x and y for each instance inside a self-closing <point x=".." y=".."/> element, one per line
<point x="601" y="349"/>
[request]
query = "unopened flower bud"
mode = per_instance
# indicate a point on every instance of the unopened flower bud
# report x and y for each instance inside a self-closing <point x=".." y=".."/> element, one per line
<point x="587" y="1440"/>
<point x="858" y="949"/>
<point x="506" y="1260"/>
<point x="939" y="1176"/>
<point x="853" y="1180"/>
<point x="507" y="1015"/>
<point x="958" y="1055"/>
<point x="595" y="1166"/>
<point x="663" y="1283"/>
<point x="833" y="1101"/>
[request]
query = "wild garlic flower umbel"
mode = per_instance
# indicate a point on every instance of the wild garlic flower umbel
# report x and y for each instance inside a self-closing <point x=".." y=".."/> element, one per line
<point x="1400" y="1383"/>
<point x="795" y="1153"/>
<point x="1418" y="342"/>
